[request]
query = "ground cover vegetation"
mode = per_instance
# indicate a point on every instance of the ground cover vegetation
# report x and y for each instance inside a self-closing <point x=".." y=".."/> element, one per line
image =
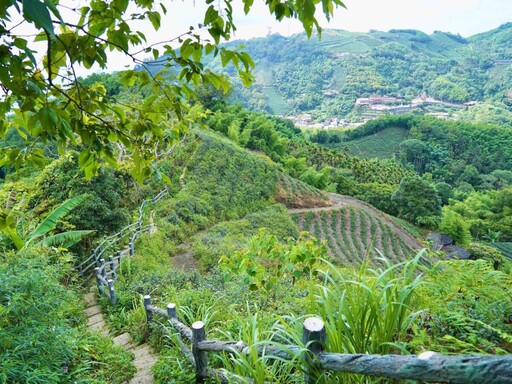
<point x="262" y="299"/>
<point x="210" y="256"/>
<point x="45" y="111"/>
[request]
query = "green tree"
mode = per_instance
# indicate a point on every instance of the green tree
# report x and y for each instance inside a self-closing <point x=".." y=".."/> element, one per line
<point x="455" y="226"/>
<point x="416" y="200"/>
<point x="445" y="192"/>
<point x="51" y="104"/>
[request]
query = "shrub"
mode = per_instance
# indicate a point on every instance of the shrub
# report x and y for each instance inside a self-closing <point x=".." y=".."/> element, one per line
<point x="43" y="339"/>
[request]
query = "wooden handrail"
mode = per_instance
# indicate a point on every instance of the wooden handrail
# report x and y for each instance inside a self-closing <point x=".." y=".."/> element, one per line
<point x="426" y="367"/>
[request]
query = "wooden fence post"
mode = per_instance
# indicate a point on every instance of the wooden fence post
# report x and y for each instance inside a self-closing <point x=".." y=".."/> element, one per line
<point x="98" y="281"/>
<point x="112" y="268"/>
<point x="132" y="246"/>
<point x="313" y="337"/>
<point x="149" y="315"/>
<point x="103" y="269"/>
<point x="171" y="311"/>
<point x="118" y="257"/>
<point x="112" y="292"/>
<point x="200" y="357"/>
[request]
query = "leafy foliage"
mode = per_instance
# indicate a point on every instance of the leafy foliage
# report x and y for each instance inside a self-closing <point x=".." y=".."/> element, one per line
<point x="110" y="195"/>
<point x="40" y="313"/>
<point x="52" y="105"/>
<point x="416" y="200"/>
<point x="10" y="227"/>
<point x="455" y="226"/>
<point x="266" y="260"/>
<point x="466" y="309"/>
<point x="228" y="237"/>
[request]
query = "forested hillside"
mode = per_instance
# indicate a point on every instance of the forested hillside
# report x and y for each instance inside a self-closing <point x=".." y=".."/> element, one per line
<point x="328" y="75"/>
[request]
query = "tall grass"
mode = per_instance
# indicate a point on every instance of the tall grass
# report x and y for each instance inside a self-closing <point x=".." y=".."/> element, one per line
<point x="368" y="312"/>
<point x="254" y="364"/>
<point x="365" y="312"/>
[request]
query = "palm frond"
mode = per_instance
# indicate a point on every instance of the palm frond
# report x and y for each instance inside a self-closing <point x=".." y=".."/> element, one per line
<point x="50" y="222"/>
<point x="65" y="239"/>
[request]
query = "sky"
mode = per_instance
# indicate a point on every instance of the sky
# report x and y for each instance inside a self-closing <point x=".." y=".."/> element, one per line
<point x="466" y="17"/>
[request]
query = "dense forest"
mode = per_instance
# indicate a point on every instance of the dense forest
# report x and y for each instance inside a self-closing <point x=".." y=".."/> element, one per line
<point x="259" y="224"/>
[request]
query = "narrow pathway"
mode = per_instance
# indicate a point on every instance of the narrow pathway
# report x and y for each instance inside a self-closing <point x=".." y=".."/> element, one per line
<point x="144" y="358"/>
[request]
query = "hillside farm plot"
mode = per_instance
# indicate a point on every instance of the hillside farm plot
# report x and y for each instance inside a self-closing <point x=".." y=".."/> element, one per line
<point x="504" y="248"/>
<point x="382" y="144"/>
<point x="353" y="235"/>
<point x="294" y="193"/>
<point x="278" y="103"/>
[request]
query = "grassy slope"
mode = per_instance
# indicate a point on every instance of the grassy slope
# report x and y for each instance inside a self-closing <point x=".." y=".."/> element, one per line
<point x="223" y="185"/>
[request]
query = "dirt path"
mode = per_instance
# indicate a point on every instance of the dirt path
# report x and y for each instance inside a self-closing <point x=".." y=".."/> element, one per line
<point x="184" y="260"/>
<point x="143" y="357"/>
<point x="340" y="201"/>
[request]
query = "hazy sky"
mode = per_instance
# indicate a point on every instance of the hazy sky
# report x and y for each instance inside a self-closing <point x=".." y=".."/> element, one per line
<point x="466" y="17"/>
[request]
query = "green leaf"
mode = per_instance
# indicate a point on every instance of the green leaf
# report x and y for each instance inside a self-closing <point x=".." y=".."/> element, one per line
<point x="248" y="5"/>
<point x="52" y="7"/>
<point x="65" y="239"/>
<point x="8" y="226"/>
<point x="210" y="15"/>
<point x="154" y="17"/>
<point x="35" y="11"/>
<point x="53" y="218"/>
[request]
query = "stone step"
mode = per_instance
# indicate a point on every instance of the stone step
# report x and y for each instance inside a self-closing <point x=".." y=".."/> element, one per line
<point x="146" y="378"/>
<point x="90" y="299"/>
<point x="143" y="358"/>
<point x="99" y="326"/>
<point x="122" y="340"/>
<point x="141" y="351"/>
<point x="91" y="311"/>
<point x="95" y="319"/>
<point x="144" y="362"/>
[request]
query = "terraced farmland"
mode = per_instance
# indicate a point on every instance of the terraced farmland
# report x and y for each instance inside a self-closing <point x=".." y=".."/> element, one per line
<point x="352" y="234"/>
<point x="294" y="193"/>
<point x="504" y="248"/>
<point x="382" y="144"/>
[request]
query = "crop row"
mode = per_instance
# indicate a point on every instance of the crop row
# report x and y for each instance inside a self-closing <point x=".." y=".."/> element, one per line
<point x="352" y="235"/>
<point x="504" y="248"/>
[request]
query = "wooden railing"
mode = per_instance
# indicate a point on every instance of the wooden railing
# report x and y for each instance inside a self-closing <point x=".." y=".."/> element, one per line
<point x="106" y="271"/>
<point x="426" y="367"/>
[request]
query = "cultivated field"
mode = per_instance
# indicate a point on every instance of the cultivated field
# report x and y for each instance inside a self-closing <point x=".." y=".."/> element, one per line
<point x="382" y="144"/>
<point x="353" y="235"/>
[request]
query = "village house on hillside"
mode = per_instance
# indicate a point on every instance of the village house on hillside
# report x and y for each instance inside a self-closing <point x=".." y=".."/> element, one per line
<point x="378" y="100"/>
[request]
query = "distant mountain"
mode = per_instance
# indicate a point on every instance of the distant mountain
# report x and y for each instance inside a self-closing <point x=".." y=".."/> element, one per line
<point x="324" y="77"/>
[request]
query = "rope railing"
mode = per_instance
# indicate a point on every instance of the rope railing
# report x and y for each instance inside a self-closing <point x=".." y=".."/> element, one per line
<point x="425" y="367"/>
<point x="106" y="271"/>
